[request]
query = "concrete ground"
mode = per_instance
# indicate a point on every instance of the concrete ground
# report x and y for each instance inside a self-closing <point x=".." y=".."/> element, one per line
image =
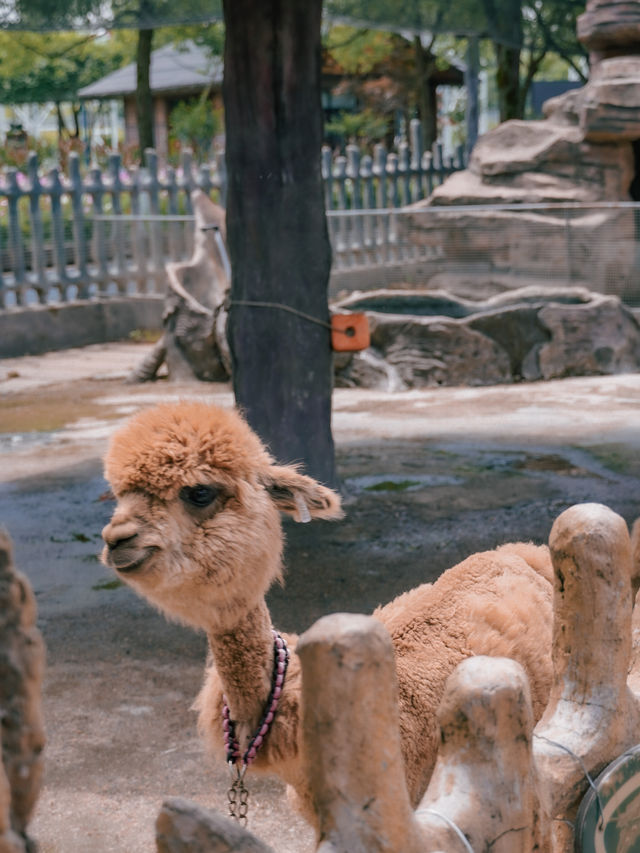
<point x="428" y="477"/>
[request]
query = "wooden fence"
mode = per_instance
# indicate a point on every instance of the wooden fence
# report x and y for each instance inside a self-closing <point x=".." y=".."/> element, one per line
<point x="569" y="785"/>
<point x="91" y="234"/>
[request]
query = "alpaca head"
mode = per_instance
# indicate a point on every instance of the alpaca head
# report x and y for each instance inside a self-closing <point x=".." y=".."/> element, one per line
<point x="196" y="529"/>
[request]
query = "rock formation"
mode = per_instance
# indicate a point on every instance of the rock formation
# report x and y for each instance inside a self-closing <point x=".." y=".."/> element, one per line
<point x="431" y="338"/>
<point x="585" y="150"/>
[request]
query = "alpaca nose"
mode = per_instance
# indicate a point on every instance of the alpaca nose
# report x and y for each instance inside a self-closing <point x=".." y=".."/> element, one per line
<point x="118" y="533"/>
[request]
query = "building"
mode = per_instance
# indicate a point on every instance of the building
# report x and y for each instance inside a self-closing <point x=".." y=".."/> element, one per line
<point x="176" y="74"/>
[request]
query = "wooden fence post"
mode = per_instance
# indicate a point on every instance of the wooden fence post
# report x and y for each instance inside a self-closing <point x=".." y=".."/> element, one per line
<point x="484" y="783"/>
<point x="592" y="716"/>
<point x="352" y="739"/>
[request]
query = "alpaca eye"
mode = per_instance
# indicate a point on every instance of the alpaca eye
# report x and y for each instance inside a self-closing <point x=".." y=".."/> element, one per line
<point x="199" y="496"/>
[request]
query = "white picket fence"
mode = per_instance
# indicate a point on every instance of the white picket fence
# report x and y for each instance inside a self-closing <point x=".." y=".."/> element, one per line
<point x="82" y="235"/>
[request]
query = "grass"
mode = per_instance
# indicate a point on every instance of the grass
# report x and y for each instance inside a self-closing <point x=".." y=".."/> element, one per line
<point x="392" y="486"/>
<point x="108" y="585"/>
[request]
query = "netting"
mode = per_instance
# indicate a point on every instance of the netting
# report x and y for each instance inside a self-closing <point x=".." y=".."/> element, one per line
<point x="499" y="20"/>
<point x="480" y="251"/>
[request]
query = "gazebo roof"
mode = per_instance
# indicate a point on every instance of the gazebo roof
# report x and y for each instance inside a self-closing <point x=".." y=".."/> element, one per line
<point x="187" y="68"/>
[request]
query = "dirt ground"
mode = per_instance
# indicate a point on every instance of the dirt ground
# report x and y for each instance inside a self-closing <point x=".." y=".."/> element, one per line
<point x="427" y="476"/>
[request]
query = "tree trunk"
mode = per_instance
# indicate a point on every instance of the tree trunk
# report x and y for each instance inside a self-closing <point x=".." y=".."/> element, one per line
<point x="144" y="101"/>
<point x="508" y="81"/>
<point x="276" y="228"/>
<point x="507" y="37"/>
<point x="427" y="99"/>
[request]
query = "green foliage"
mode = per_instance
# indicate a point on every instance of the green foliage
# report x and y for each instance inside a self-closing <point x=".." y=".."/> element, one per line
<point x="523" y="35"/>
<point x="210" y="36"/>
<point x="51" y="15"/>
<point x="414" y="16"/>
<point x="37" y="68"/>
<point x="358" y="51"/>
<point x="194" y="124"/>
<point x="363" y="128"/>
<point x="45" y="147"/>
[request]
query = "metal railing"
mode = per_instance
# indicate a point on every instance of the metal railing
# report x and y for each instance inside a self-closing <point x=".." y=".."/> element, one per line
<point x="80" y="236"/>
<point x="64" y="238"/>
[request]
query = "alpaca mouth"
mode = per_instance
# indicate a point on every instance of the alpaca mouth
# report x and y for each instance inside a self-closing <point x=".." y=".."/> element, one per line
<point x="128" y="562"/>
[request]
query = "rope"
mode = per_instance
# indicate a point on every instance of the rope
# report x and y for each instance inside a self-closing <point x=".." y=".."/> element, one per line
<point x="587" y="776"/>
<point x="250" y="303"/>
<point x="452" y="825"/>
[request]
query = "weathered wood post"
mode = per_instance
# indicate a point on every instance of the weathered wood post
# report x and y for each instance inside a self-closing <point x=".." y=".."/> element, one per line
<point x="592" y="716"/>
<point x="184" y="827"/>
<point x="484" y="783"/>
<point x="352" y="738"/>
<point x="21" y="666"/>
<point x="277" y="232"/>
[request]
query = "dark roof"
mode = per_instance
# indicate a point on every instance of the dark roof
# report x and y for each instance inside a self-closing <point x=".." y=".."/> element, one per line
<point x="187" y="68"/>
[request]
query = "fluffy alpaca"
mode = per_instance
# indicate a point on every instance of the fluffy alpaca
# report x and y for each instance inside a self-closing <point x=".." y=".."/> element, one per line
<point x="197" y="532"/>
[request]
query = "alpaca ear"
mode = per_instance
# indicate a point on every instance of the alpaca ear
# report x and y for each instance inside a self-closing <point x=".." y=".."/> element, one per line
<point x="299" y="495"/>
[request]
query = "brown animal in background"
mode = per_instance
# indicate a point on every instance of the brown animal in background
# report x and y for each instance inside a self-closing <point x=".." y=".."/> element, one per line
<point x="197" y="532"/>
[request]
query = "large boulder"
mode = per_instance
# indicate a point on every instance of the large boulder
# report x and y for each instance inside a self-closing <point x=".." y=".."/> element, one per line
<point x="529" y="162"/>
<point x="434" y="338"/>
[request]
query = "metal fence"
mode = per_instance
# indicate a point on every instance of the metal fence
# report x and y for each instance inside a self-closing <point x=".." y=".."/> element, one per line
<point x="80" y="236"/>
<point x="65" y="238"/>
<point x="395" y="179"/>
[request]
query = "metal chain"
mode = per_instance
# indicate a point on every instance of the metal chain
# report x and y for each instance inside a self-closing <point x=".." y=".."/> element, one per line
<point x="238" y="796"/>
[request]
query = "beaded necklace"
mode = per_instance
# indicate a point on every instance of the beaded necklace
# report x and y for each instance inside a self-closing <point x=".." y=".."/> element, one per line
<point x="238" y="763"/>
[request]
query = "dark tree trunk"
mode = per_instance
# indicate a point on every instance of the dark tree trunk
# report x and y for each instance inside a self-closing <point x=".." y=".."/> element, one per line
<point x="508" y="82"/>
<point x="276" y="228"/>
<point x="144" y="101"/>
<point x="505" y="19"/>
<point x="427" y="100"/>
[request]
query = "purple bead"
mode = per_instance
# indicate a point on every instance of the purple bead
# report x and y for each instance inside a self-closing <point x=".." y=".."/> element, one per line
<point x="268" y="719"/>
<point x="277" y="691"/>
<point x="257" y="741"/>
<point x="264" y="730"/>
<point x="280" y="668"/>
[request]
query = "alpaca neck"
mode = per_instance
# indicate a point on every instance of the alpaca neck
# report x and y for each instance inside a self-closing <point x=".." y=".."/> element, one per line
<point x="244" y="660"/>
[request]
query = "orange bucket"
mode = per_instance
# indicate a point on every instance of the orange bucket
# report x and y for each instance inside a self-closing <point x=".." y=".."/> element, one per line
<point x="349" y="332"/>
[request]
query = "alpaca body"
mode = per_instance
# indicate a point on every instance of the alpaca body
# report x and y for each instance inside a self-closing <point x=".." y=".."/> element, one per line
<point x="493" y="603"/>
<point x="197" y="532"/>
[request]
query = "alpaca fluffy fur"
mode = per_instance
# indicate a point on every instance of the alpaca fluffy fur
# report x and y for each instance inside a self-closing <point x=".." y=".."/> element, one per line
<point x="211" y="566"/>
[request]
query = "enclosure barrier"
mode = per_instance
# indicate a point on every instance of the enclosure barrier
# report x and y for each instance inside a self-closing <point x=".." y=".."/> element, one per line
<point x="112" y="235"/>
<point x="99" y="235"/>
<point x="477" y="251"/>
<point x="71" y="239"/>
<point x="499" y="784"/>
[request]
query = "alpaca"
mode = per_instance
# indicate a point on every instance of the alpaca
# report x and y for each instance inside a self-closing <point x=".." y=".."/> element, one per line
<point x="196" y="531"/>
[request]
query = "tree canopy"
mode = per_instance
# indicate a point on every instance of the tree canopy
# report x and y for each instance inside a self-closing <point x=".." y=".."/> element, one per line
<point x="52" y="15"/>
<point x="523" y="34"/>
<point x="36" y="69"/>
